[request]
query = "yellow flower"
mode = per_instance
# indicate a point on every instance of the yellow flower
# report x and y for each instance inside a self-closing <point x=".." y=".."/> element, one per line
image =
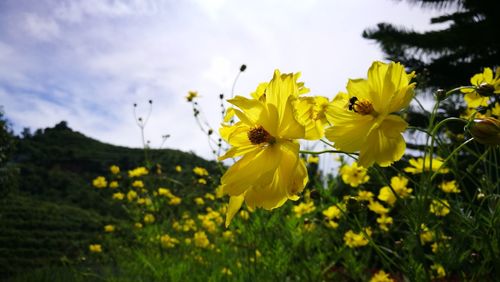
<point x="377" y="208"/>
<point x="363" y="119"/>
<point x="201" y="240"/>
<point x="95" y="248"/>
<point x="332" y="224"/>
<point x="137" y="172"/>
<point x="438" y="271"/>
<point x="191" y="95"/>
<point x="168" y="242"/>
<point x="131" y="195"/>
<point x="114" y="169"/>
<point x="174" y="201"/>
<point x="209" y="196"/>
<point x="386" y="195"/>
<point x="199" y="201"/>
<point x="354" y="175"/>
<point x="244" y="215"/>
<point x="228" y="235"/>
<point x="200" y="171"/>
<point x="486" y="131"/>
<point x="303" y="208"/>
<point x="449" y="187"/>
<point x="485" y="85"/>
<point x="202" y="181"/>
<point x="355" y="240"/>
<point x="100" y="182"/>
<point x="109" y="228"/>
<point x="333" y="212"/>
<point x="149" y="218"/>
<point x="419" y="165"/>
<point x="165" y="192"/>
<point x="226" y="271"/>
<point x="113" y="184"/>
<point x="381" y="276"/>
<point x="270" y="171"/>
<point x="439" y="207"/>
<point x="138" y="184"/>
<point x="426" y="235"/>
<point x="311" y="113"/>
<point x="496" y="110"/>
<point x="138" y="225"/>
<point x="313" y="159"/>
<point x="118" y="196"/>
<point x="178" y="168"/>
<point x="384" y="221"/>
<point x="364" y="196"/>
<point x="399" y="184"/>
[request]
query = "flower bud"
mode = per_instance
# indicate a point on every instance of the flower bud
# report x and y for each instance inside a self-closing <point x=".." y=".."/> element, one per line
<point x="485" y="89"/>
<point x="486" y="131"/>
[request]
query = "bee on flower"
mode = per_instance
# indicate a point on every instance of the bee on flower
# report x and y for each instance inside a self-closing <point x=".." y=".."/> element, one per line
<point x="364" y="119"/>
<point x="485" y="84"/>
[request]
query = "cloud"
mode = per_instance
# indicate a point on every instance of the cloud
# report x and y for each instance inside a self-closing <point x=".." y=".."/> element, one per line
<point x="88" y="61"/>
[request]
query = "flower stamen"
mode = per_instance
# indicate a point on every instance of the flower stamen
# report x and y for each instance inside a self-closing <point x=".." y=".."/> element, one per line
<point x="259" y="135"/>
<point x="362" y="107"/>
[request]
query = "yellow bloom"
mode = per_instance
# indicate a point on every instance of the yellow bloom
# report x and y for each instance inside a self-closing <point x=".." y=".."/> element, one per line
<point x="333" y="212"/>
<point x="486" y="84"/>
<point x="200" y="171"/>
<point x="439" y="207"/>
<point x="138" y="184"/>
<point x="438" y="271"/>
<point x="168" y="242"/>
<point x="384" y="221"/>
<point x="399" y="184"/>
<point x="138" y="225"/>
<point x="113" y="184"/>
<point x="202" y="181"/>
<point x="100" y="182"/>
<point x="209" y="196"/>
<point x="355" y="240"/>
<point x="199" y="201"/>
<point x="354" y="175"/>
<point x="332" y="224"/>
<point x="137" y="172"/>
<point x="149" y="218"/>
<point x="109" y="228"/>
<point x="270" y="171"/>
<point x="201" y="240"/>
<point x="419" y="165"/>
<point x="426" y="235"/>
<point x="381" y="276"/>
<point x="174" y="201"/>
<point x="377" y="208"/>
<point x="114" y="169"/>
<point x="496" y="110"/>
<point x="244" y="215"/>
<point x="191" y="95"/>
<point x="313" y="159"/>
<point x="386" y="195"/>
<point x="486" y="131"/>
<point x="364" y="196"/>
<point x="226" y="271"/>
<point x="118" y="196"/>
<point x="449" y="187"/>
<point x="178" y="168"/>
<point x="311" y="113"/>
<point x="303" y="208"/>
<point x="95" y="248"/>
<point x="363" y="119"/>
<point x="131" y="195"/>
<point x="165" y="192"/>
<point x="228" y="235"/>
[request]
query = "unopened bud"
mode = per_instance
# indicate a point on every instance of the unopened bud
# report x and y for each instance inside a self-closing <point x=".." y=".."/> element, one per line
<point x="486" y="131"/>
<point x="243" y="68"/>
<point x="440" y="94"/>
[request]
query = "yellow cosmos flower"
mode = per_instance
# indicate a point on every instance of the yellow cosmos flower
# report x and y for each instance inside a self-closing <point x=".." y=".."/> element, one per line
<point x="426" y="235"/>
<point x="311" y="113"/>
<point x="419" y="165"/>
<point x="138" y="172"/>
<point x="384" y="221"/>
<point x="200" y="171"/>
<point x="440" y="207"/>
<point x="199" y="201"/>
<point x="486" y="84"/>
<point x="118" y="196"/>
<point x="202" y="181"/>
<point x="377" y="208"/>
<point x="168" y="242"/>
<point x="313" y="160"/>
<point x="303" y="208"/>
<point x="363" y="119"/>
<point x="114" y="169"/>
<point x="178" y="168"/>
<point x="333" y="212"/>
<point x="109" y="228"/>
<point x="113" y="184"/>
<point x="449" y="187"/>
<point x="149" y="218"/>
<point x="95" y="248"/>
<point x="201" y="240"/>
<point x="131" y="195"/>
<point x="100" y="182"/>
<point x="386" y="195"/>
<point x="270" y="170"/>
<point x="138" y="184"/>
<point x="364" y="196"/>
<point x="438" y="271"/>
<point x="354" y="174"/>
<point x="381" y="276"/>
<point x="174" y="201"/>
<point x="356" y="240"/>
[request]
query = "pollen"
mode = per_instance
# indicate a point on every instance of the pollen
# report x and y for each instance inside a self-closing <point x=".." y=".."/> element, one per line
<point x="259" y="135"/>
<point x="362" y="107"/>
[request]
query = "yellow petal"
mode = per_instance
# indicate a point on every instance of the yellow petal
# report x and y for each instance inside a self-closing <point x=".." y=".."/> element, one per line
<point x="234" y="206"/>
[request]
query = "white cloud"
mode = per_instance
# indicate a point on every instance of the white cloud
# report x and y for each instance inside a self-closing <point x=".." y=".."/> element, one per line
<point x="41" y="28"/>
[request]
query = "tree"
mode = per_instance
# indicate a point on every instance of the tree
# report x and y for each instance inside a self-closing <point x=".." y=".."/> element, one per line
<point x="446" y="58"/>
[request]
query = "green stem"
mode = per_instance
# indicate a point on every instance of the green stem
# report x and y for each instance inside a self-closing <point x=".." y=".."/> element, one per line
<point x="323" y="152"/>
<point x="451" y="155"/>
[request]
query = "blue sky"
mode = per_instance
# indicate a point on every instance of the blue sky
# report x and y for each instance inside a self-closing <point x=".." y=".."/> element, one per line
<point x="88" y="61"/>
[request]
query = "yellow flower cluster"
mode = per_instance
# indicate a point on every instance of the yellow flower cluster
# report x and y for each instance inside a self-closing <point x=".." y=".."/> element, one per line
<point x="100" y="182"/>
<point x="440" y="207"/>
<point x="304" y="208"/>
<point x="165" y="192"/>
<point x="200" y="171"/>
<point x="356" y="240"/>
<point x="149" y="218"/>
<point x="429" y="164"/>
<point x="138" y="172"/>
<point x="332" y="214"/>
<point x="449" y="187"/>
<point x="168" y="242"/>
<point x="381" y="276"/>
<point x="201" y="240"/>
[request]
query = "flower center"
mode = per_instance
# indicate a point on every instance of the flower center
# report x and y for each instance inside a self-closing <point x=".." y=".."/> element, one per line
<point x="259" y="135"/>
<point x="362" y="107"/>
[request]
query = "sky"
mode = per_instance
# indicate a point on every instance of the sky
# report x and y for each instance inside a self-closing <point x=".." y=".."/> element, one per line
<point x="88" y="61"/>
